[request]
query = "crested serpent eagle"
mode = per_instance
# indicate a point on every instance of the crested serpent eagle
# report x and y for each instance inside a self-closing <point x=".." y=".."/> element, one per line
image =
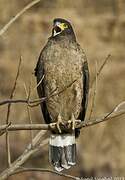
<point x="62" y="69"/>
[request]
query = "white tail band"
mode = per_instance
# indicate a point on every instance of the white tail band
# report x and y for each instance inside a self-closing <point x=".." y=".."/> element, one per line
<point x="62" y="140"/>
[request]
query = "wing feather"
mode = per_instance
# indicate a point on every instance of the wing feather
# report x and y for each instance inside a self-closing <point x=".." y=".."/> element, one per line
<point x="39" y="73"/>
<point x="85" y="71"/>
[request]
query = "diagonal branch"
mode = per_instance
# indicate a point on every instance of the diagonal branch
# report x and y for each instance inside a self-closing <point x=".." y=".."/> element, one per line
<point x="106" y="117"/>
<point x="31" y="149"/>
<point x="94" y="94"/>
<point x="22" y="170"/>
<point x="100" y="70"/>
<point x="5" y="28"/>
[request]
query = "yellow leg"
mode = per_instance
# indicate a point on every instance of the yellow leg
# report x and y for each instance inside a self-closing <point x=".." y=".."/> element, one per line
<point x="73" y="122"/>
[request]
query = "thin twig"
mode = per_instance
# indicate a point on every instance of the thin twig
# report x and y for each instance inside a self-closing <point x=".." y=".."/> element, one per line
<point x="22" y="170"/>
<point x="8" y="114"/>
<point x="54" y="93"/>
<point x="100" y="69"/>
<point x="5" y="28"/>
<point x="28" y="108"/>
<point x="23" y="101"/>
<point x="94" y="94"/>
<point x="38" y="83"/>
<point x="108" y="116"/>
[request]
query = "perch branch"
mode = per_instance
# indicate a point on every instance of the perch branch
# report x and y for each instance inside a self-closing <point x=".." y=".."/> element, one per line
<point x="108" y="116"/>
<point x="34" y="146"/>
<point x="5" y="28"/>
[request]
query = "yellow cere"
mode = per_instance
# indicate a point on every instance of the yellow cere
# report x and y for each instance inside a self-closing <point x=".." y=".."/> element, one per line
<point x="63" y="26"/>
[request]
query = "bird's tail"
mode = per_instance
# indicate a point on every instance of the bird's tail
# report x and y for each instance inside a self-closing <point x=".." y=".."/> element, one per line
<point x="62" y="151"/>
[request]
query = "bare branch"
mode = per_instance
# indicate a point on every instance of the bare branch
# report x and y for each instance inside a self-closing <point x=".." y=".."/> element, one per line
<point x="22" y="170"/>
<point x="28" y="108"/>
<point x="100" y="69"/>
<point x="8" y="114"/>
<point x="94" y="94"/>
<point x="38" y="83"/>
<point x="35" y="102"/>
<point x="121" y="106"/>
<point x="23" y="101"/>
<point x="17" y="127"/>
<point x="108" y="116"/>
<point x="31" y="149"/>
<point x="5" y="28"/>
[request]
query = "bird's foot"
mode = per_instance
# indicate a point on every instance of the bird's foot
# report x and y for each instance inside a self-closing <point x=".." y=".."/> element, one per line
<point x="59" y="122"/>
<point x="72" y="122"/>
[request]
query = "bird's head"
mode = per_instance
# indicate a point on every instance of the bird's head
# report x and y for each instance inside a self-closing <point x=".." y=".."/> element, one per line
<point x="62" y="27"/>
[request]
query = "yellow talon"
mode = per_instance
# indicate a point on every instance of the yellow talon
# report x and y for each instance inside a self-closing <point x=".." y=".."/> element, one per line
<point x="73" y="122"/>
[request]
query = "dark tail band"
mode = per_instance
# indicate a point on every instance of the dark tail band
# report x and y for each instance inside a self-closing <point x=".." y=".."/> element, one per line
<point x="62" y="151"/>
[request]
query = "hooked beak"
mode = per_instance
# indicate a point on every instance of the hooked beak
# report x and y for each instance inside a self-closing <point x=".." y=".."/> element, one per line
<point x="56" y="30"/>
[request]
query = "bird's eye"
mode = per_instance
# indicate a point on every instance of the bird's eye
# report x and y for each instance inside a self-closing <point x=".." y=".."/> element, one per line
<point x="65" y="25"/>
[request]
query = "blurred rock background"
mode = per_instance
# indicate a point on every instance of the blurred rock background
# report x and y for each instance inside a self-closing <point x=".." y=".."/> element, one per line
<point x="100" y="29"/>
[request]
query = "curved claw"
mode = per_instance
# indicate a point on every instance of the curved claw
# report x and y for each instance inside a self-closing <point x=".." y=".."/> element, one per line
<point x="72" y="121"/>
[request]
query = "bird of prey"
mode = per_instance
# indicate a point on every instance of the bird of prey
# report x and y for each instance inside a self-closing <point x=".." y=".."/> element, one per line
<point x="63" y="78"/>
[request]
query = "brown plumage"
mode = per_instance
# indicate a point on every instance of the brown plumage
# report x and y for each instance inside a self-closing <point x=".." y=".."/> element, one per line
<point x="63" y="64"/>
